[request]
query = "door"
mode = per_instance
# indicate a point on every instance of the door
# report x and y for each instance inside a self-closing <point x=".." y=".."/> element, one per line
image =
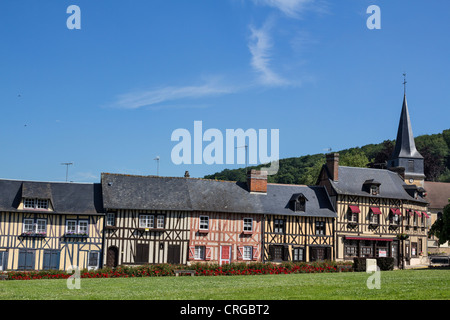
<point x="225" y="254"/>
<point x="112" y="257"/>
<point x="26" y="260"/>
<point x="51" y="259"/>
<point x="3" y="260"/>
<point x="142" y="253"/>
<point x="173" y="254"/>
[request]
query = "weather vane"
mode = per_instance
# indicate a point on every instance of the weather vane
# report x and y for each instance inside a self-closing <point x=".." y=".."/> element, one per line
<point x="404" y="83"/>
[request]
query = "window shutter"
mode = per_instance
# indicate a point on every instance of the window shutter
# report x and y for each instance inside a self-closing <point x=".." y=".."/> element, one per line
<point x="271" y="252"/>
<point x="240" y="253"/>
<point x="255" y="252"/>
<point x="208" y="253"/>
<point x="47" y="259"/>
<point x="328" y="253"/>
<point x="191" y="252"/>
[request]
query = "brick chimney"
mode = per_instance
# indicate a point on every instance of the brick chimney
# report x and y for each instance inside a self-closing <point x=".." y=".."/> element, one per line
<point x="333" y="165"/>
<point x="257" y="181"/>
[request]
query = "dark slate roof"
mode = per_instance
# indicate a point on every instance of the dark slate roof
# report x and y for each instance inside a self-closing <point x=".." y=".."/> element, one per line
<point x="351" y="181"/>
<point x="144" y="192"/>
<point x="405" y="146"/>
<point x="279" y="195"/>
<point x="66" y="198"/>
<point x="191" y="194"/>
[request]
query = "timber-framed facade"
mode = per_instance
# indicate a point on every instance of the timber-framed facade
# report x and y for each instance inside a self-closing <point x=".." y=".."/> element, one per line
<point x="299" y="225"/>
<point x="47" y="226"/>
<point x="147" y="220"/>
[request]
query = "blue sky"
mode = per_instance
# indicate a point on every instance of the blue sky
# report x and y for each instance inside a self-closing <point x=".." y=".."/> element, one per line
<point x="107" y="97"/>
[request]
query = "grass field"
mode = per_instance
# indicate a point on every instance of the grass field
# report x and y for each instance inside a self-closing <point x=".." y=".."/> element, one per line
<point x="423" y="284"/>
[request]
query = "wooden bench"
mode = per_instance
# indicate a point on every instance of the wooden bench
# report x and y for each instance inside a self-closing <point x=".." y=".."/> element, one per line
<point x="191" y="272"/>
<point x="3" y="276"/>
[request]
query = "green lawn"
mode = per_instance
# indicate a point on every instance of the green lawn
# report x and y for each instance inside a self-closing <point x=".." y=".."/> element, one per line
<point x="399" y="285"/>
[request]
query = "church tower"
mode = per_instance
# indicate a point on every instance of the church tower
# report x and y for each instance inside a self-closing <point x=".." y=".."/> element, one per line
<point x="405" y="157"/>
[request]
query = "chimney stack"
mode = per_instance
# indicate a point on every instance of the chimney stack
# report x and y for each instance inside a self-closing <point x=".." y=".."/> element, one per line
<point x="257" y="181"/>
<point x="333" y="165"/>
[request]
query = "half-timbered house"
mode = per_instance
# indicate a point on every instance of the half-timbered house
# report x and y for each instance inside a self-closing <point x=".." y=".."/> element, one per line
<point x="375" y="207"/>
<point x="298" y="223"/>
<point x="50" y="225"/>
<point x="226" y="222"/>
<point x="147" y="219"/>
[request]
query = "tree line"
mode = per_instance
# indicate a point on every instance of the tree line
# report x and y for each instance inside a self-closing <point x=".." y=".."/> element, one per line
<point x="435" y="149"/>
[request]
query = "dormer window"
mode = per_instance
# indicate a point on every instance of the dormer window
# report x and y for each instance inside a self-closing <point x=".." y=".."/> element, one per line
<point x="374" y="190"/>
<point x="298" y="202"/>
<point x="35" y="204"/>
<point x="372" y="187"/>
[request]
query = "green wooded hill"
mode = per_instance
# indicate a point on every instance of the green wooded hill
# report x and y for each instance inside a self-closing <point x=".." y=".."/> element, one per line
<point x="434" y="148"/>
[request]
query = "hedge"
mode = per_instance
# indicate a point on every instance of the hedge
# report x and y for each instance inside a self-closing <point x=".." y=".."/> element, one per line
<point x="384" y="263"/>
<point x="202" y="269"/>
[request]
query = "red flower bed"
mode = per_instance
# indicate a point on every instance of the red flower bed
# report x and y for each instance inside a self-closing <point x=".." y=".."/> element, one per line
<point x="202" y="269"/>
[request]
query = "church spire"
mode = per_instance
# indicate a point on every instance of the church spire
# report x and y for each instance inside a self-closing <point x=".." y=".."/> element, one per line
<point x="405" y="146"/>
<point x="405" y="153"/>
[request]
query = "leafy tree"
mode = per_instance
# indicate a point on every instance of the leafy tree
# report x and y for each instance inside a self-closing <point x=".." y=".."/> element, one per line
<point x="353" y="158"/>
<point x="441" y="227"/>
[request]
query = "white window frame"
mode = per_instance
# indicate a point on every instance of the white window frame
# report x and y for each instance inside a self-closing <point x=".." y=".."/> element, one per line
<point x="110" y="219"/>
<point x="29" y="203"/>
<point x="84" y="228"/>
<point x="35" y="204"/>
<point x="41" y="228"/>
<point x="247" y="253"/>
<point x="41" y="204"/>
<point x="374" y="219"/>
<point x="146" y="221"/>
<point x="248" y="225"/>
<point x="297" y="252"/>
<point x="28" y="224"/>
<point x="203" y="225"/>
<point x="320" y="228"/>
<point x="160" y="221"/>
<point x="199" y="252"/>
<point x="71" y="226"/>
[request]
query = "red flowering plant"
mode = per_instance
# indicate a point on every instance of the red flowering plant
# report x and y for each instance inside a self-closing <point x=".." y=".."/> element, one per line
<point x="201" y="269"/>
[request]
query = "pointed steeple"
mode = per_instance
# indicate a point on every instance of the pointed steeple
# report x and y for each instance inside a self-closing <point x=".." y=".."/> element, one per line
<point x="406" y="159"/>
<point x="405" y="147"/>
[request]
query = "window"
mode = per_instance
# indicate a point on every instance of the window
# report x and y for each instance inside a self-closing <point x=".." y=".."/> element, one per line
<point x="279" y="226"/>
<point x="300" y="205"/>
<point x="40" y="204"/>
<point x="351" y="248"/>
<point x="248" y="224"/>
<point x="248" y="253"/>
<point x="298" y="254"/>
<point x="71" y="226"/>
<point x="41" y="226"/>
<point x="320" y="228"/>
<point x="28" y="203"/>
<point x="32" y="227"/>
<point x="410" y="165"/>
<point x="83" y="227"/>
<point x="51" y="260"/>
<point x="160" y="222"/>
<point x="93" y="259"/>
<point x="199" y="253"/>
<point x="373" y="219"/>
<point x="374" y="190"/>
<point x="28" y="225"/>
<point x="110" y="219"/>
<point x="204" y="223"/>
<point x="146" y="221"/>
<point x="77" y="227"/>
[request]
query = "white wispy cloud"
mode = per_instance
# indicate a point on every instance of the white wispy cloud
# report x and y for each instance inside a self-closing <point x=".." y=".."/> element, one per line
<point x="291" y="8"/>
<point x="157" y="96"/>
<point x="260" y="46"/>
